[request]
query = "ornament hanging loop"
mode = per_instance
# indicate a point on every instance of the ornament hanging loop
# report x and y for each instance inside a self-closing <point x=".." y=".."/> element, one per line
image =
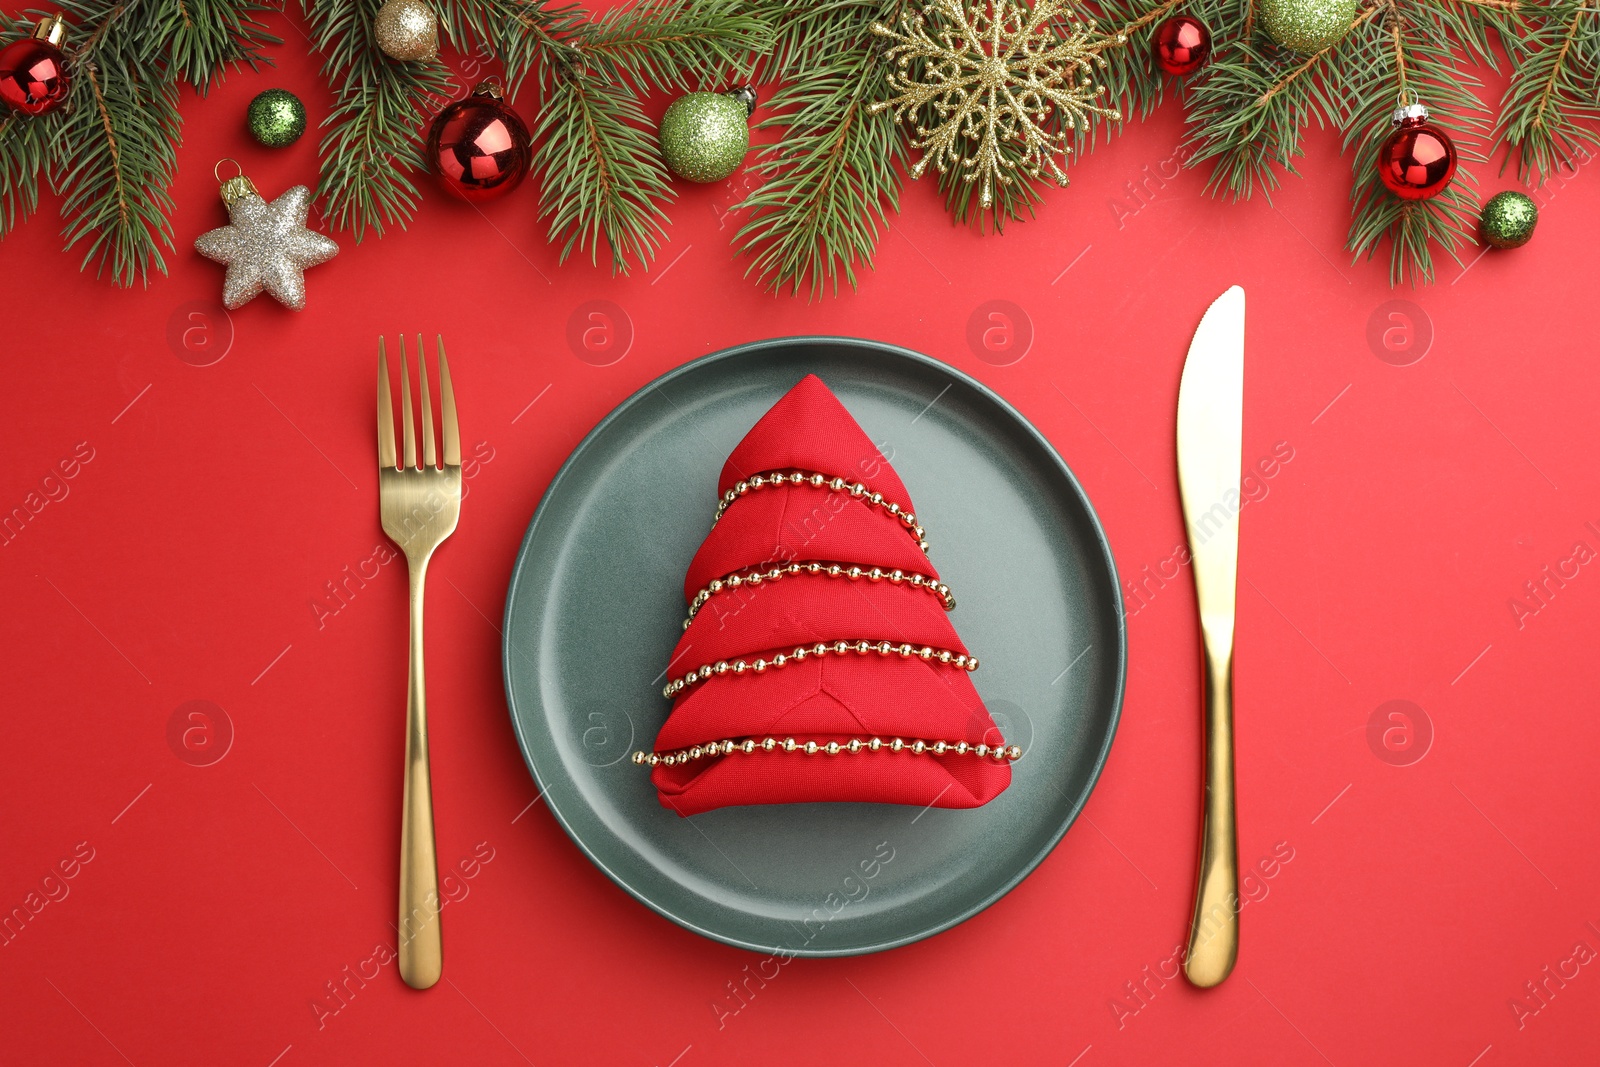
<point x="236" y="188"/>
<point x="1408" y="109"/>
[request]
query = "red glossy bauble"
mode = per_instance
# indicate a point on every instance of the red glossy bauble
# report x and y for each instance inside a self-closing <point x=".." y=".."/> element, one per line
<point x="1181" y="44"/>
<point x="479" y="148"/>
<point x="33" y="71"/>
<point x="1417" y="160"/>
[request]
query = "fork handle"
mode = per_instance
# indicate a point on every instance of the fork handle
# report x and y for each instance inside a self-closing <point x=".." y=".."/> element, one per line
<point x="421" y="947"/>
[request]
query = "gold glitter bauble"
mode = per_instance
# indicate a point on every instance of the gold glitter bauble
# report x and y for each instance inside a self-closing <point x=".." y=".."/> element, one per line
<point x="407" y="30"/>
<point x="1307" y="26"/>
<point x="704" y="136"/>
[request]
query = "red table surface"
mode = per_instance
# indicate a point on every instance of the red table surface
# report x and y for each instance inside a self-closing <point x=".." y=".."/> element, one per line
<point x="1430" y="896"/>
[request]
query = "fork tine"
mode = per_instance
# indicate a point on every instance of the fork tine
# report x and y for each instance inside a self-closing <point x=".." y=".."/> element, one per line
<point x="408" y="422"/>
<point x="450" y="432"/>
<point x="385" y="413"/>
<point x="427" y="405"/>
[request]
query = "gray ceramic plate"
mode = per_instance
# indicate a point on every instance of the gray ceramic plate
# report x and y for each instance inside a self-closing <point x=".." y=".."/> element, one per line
<point x="596" y="603"/>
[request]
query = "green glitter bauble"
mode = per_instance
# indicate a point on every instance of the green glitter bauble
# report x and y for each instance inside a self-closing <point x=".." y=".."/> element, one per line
<point x="1307" y="26"/>
<point x="704" y="136"/>
<point x="1508" y="219"/>
<point x="277" y="118"/>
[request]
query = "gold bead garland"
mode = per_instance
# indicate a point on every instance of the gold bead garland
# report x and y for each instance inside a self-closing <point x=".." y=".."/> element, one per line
<point x="818" y="481"/>
<point x="759" y="665"/>
<point x="831" y="570"/>
<point x="917" y="747"/>
<point x="926" y="653"/>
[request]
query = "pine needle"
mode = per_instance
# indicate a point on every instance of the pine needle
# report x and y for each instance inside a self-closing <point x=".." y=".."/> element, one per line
<point x="373" y="142"/>
<point x="604" y="182"/>
<point x="1553" y="101"/>
<point x="828" y="183"/>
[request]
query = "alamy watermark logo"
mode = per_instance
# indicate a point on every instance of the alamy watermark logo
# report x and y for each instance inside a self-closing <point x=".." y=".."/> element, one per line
<point x="999" y="332"/>
<point x="1399" y="733"/>
<point x="606" y="735"/>
<point x="1399" y="332"/>
<point x="199" y="733"/>
<point x="1012" y="725"/>
<point x="599" y="332"/>
<point x="200" y="332"/>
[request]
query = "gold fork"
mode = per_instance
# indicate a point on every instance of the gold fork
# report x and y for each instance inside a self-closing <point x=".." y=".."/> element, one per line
<point x="420" y="503"/>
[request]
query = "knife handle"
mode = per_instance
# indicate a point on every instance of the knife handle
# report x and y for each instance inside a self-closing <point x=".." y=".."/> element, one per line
<point x="1214" y="931"/>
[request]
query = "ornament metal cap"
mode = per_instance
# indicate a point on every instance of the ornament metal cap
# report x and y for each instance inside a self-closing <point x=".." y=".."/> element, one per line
<point x="490" y="86"/>
<point x="1409" y="114"/>
<point x="52" y="30"/>
<point x="236" y="188"/>
<point x="746" y="95"/>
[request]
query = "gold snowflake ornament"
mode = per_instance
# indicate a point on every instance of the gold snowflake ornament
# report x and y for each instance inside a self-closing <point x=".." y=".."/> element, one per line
<point x="995" y="73"/>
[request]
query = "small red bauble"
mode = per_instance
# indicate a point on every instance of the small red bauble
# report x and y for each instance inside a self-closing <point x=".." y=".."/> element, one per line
<point x="479" y="148"/>
<point x="1181" y="44"/>
<point x="33" y="71"/>
<point x="1417" y="160"/>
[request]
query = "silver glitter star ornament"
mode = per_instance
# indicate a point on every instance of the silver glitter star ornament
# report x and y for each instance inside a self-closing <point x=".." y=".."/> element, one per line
<point x="266" y="247"/>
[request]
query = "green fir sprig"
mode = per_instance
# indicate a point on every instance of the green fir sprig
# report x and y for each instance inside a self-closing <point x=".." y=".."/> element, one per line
<point x="110" y="150"/>
<point x="833" y="175"/>
<point x="602" y="182"/>
<point x="1552" y="105"/>
<point x="370" y="148"/>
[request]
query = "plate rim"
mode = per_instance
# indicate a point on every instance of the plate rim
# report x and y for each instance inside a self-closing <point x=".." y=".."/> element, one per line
<point x="1102" y="541"/>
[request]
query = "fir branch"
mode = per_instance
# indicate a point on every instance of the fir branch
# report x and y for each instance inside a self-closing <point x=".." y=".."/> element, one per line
<point x="1477" y="26"/>
<point x="596" y="152"/>
<point x="373" y="141"/>
<point x="1554" y="96"/>
<point x="24" y="145"/>
<point x="1133" y="82"/>
<point x="1246" y="118"/>
<point x="808" y="35"/>
<point x="601" y="171"/>
<point x="202" y="38"/>
<point x="113" y="151"/>
<point x="1407" y="53"/>
<point x="527" y="36"/>
<point x="122" y="125"/>
<point x="676" y="43"/>
<point x="829" y="181"/>
<point x="110" y="151"/>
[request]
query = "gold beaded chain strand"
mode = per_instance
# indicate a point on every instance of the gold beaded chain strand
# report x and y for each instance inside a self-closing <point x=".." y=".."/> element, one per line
<point x="816" y="480"/>
<point x="999" y="753"/>
<point x="926" y="653"/>
<point x="831" y="570"/>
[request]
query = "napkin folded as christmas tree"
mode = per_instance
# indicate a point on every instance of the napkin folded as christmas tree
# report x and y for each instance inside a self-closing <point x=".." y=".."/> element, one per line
<point x="819" y="663"/>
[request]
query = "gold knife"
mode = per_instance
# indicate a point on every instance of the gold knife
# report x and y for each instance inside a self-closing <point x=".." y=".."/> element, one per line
<point x="1210" y="425"/>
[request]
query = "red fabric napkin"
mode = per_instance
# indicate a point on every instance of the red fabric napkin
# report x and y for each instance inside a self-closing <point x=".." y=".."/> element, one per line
<point x="839" y="697"/>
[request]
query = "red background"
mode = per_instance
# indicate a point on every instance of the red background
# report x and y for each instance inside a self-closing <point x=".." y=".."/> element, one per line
<point x="185" y="559"/>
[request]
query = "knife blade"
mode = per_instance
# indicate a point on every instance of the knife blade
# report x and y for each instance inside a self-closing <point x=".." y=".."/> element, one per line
<point x="1210" y="439"/>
